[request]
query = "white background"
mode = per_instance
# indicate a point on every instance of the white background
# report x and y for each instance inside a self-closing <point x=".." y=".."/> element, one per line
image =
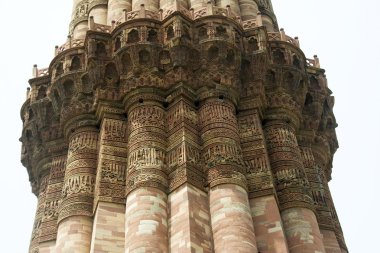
<point x="344" y="33"/>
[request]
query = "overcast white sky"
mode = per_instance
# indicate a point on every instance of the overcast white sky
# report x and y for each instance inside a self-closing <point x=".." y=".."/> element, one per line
<point x="344" y="33"/>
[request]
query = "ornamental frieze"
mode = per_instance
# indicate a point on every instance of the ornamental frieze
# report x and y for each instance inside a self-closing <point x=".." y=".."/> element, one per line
<point x="146" y="157"/>
<point x="83" y="143"/>
<point x="78" y="184"/>
<point x="183" y="153"/>
<point x="146" y="115"/>
<point x="113" y="172"/>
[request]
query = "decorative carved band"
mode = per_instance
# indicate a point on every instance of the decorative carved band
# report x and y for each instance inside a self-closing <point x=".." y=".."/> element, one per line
<point x="291" y="182"/>
<point x="78" y="187"/>
<point x="147" y="149"/>
<point x="112" y="164"/>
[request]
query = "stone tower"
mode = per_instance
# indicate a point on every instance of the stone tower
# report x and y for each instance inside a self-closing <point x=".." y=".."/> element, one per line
<point x="180" y="126"/>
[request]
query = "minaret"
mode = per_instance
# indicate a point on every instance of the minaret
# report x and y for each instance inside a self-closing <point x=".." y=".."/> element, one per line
<point x="180" y="126"/>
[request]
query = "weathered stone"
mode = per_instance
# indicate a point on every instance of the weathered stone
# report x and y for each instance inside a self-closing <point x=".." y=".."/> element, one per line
<point x="180" y="126"/>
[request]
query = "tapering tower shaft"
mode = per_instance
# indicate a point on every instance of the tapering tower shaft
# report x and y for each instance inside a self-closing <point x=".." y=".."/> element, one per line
<point x="180" y="126"/>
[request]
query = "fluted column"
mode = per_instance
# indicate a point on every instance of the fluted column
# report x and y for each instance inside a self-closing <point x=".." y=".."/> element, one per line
<point x="98" y="10"/>
<point x="173" y="4"/>
<point x="223" y="162"/>
<point x="330" y="238"/>
<point x="49" y="225"/>
<point x="330" y="241"/>
<point x="79" y="19"/>
<point x="234" y="5"/>
<point x="268" y="17"/>
<point x="36" y="234"/>
<point x="297" y="212"/>
<point x="146" y="227"/>
<point x="76" y="209"/>
<point x="315" y="177"/>
<point x="115" y="9"/>
<point x="248" y="9"/>
<point x="189" y="214"/>
<point x="150" y="5"/>
<point x="198" y="4"/>
<point x="332" y="234"/>
<point x="266" y="216"/>
<point x="109" y="230"/>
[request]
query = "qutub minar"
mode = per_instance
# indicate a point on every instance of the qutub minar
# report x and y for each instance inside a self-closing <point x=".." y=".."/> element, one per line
<point x="180" y="126"/>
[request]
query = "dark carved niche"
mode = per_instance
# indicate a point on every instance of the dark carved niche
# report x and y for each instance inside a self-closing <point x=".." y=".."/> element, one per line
<point x="237" y="37"/>
<point x="194" y="58"/>
<point x="111" y="75"/>
<point x="86" y="86"/>
<point x="133" y="36"/>
<point x="56" y="96"/>
<point x="230" y="57"/>
<point x="59" y="69"/>
<point x="169" y="32"/>
<point x="270" y="77"/>
<point x="101" y="50"/>
<point x="186" y="33"/>
<point x="144" y="57"/>
<point x="330" y="124"/>
<point x="314" y="84"/>
<point x="301" y="84"/>
<point x="308" y="99"/>
<point x="49" y="115"/>
<point x="326" y="107"/>
<point x="289" y="80"/>
<point x="75" y="63"/>
<point x="117" y="44"/>
<point x="69" y="88"/>
<point x="323" y="122"/>
<point x="41" y="93"/>
<point x="213" y="53"/>
<point x="28" y="135"/>
<point x="221" y="31"/>
<point x="246" y="71"/>
<point x="278" y="57"/>
<point x="253" y="45"/>
<point x="30" y="114"/>
<point x="126" y="63"/>
<point x="296" y="62"/>
<point x="202" y="33"/>
<point x="152" y="36"/>
<point x="56" y="99"/>
<point x="165" y="59"/>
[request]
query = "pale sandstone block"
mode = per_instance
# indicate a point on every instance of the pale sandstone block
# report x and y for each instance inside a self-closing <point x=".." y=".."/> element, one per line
<point x="268" y="23"/>
<point x="189" y="229"/>
<point x="267" y="222"/>
<point x="330" y="241"/>
<point x="100" y="14"/>
<point x="248" y="9"/>
<point x="151" y="5"/>
<point x="198" y="4"/>
<point x="115" y="9"/>
<point x="302" y="231"/>
<point x="234" y="5"/>
<point x="47" y="247"/>
<point x="231" y="234"/>
<point x="80" y="30"/>
<point x="146" y="221"/>
<point x="170" y="4"/>
<point x="74" y="235"/>
<point x="108" y="233"/>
